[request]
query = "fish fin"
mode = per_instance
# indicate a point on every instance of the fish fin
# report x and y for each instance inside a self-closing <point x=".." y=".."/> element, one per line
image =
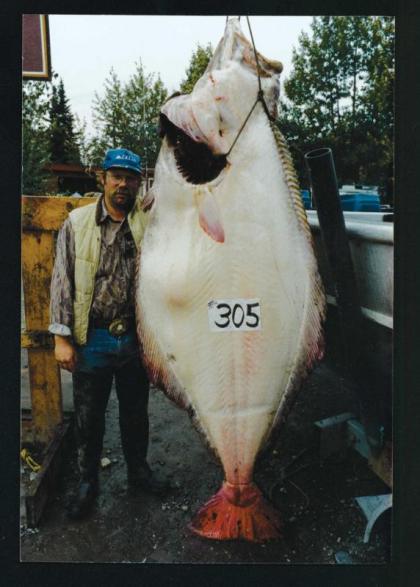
<point x="209" y="216"/>
<point x="292" y="182"/>
<point x="237" y="512"/>
<point x="311" y="352"/>
<point x="312" y="336"/>
<point x="317" y="304"/>
<point x="158" y="369"/>
<point x="161" y="376"/>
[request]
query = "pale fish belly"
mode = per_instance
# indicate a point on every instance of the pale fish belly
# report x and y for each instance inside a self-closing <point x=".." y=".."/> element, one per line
<point x="233" y="380"/>
<point x="228" y="224"/>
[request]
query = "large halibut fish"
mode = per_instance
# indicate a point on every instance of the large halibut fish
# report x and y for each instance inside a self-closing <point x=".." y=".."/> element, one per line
<point x="229" y="299"/>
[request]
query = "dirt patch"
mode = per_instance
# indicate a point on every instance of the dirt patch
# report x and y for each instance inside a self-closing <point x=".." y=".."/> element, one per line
<point x="316" y="499"/>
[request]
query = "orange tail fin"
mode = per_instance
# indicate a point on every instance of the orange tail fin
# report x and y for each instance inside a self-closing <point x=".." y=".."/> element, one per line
<point x="237" y="512"/>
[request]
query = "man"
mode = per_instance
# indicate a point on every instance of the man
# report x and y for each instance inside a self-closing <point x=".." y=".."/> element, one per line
<point x="93" y="320"/>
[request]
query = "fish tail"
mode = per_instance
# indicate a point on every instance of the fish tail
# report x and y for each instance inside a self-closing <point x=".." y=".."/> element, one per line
<point x="237" y="512"/>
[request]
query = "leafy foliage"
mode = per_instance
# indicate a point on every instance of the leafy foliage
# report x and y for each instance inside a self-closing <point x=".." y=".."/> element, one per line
<point x="199" y="61"/>
<point x="35" y="139"/>
<point x="127" y="115"/>
<point x="63" y="142"/>
<point x="49" y="133"/>
<point x="340" y="95"/>
<point x="80" y="135"/>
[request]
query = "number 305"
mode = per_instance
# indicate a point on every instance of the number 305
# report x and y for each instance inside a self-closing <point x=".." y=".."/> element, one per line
<point x="236" y="315"/>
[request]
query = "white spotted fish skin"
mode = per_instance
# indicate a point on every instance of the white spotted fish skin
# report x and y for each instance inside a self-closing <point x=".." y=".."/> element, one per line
<point x="237" y="384"/>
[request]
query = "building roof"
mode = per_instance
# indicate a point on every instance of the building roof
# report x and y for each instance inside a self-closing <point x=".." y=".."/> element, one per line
<point x="70" y="168"/>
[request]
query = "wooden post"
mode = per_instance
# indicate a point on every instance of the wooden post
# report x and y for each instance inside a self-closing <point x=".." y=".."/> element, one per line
<point x="44" y="375"/>
<point x="41" y="217"/>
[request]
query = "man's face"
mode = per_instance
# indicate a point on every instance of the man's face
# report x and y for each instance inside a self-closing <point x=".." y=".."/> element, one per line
<point x="120" y="188"/>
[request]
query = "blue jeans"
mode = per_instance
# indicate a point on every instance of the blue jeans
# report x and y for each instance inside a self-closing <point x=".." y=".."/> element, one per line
<point x="99" y="361"/>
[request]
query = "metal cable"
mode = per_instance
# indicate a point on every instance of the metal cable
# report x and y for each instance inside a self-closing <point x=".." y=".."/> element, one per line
<point x="243" y="126"/>
<point x="260" y="95"/>
<point x="260" y="90"/>
<point x="255" y="53"/>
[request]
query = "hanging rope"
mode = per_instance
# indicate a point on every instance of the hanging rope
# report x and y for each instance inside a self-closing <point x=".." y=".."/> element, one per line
<point x="260" y="90"/>
<point x="260" y="94"/>
<point x="243" y="126"/>
<point x="256" y="55"/>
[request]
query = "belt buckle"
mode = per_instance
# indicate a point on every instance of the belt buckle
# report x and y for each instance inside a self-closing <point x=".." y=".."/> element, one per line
<point x="118" y="327"/>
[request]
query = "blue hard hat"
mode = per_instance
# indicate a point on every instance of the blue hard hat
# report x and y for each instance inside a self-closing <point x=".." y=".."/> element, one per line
<point x="122" y="158"/>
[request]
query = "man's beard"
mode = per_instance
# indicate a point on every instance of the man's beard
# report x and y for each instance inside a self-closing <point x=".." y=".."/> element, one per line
<point x="127" y="204"/>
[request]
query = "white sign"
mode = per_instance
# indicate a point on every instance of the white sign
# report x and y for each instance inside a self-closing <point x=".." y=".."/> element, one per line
<point x="238" y="314"/>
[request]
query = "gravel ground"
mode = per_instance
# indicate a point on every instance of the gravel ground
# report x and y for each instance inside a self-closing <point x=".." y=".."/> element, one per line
<point x="316" y="499"/>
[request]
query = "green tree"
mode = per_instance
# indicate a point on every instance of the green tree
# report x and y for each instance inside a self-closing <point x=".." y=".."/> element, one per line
<point x="80" y="136"/>
<point x="109" y="117"/>
<point x="145" y="96"/>
<point x="127" y="116"/>
<point x="198" y="63"/>
<point x="63" y="143"/>
<point x="339" y="94"/>
<point x="35" y="141"/>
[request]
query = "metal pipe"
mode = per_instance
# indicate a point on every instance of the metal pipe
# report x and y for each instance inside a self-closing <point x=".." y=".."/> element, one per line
<point x="320" y="164"/>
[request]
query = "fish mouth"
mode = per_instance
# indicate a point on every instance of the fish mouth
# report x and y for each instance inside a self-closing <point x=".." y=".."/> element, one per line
<point x="194" y="160"/>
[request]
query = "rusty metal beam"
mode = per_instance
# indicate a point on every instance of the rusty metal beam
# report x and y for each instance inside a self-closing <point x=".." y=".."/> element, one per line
<point x="47" y="213"/>
<point x="35" y="339"/>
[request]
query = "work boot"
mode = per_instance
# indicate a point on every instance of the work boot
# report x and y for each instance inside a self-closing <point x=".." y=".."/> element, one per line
<point x="82" y="504"/>
<point x="143" y="478"/>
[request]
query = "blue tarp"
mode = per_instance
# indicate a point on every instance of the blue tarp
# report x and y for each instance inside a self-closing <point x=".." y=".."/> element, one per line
<point x="350" y="202"/>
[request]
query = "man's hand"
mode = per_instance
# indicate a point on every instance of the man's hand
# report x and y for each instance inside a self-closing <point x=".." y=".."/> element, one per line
<point x="65" y="353"/>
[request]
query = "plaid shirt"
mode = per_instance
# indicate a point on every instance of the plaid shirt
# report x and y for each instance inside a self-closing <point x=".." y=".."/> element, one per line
<point x="113" y="294"/>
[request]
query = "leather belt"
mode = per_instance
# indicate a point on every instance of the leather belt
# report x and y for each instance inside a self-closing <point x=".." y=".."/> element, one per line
<point x="116" y="327"/>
